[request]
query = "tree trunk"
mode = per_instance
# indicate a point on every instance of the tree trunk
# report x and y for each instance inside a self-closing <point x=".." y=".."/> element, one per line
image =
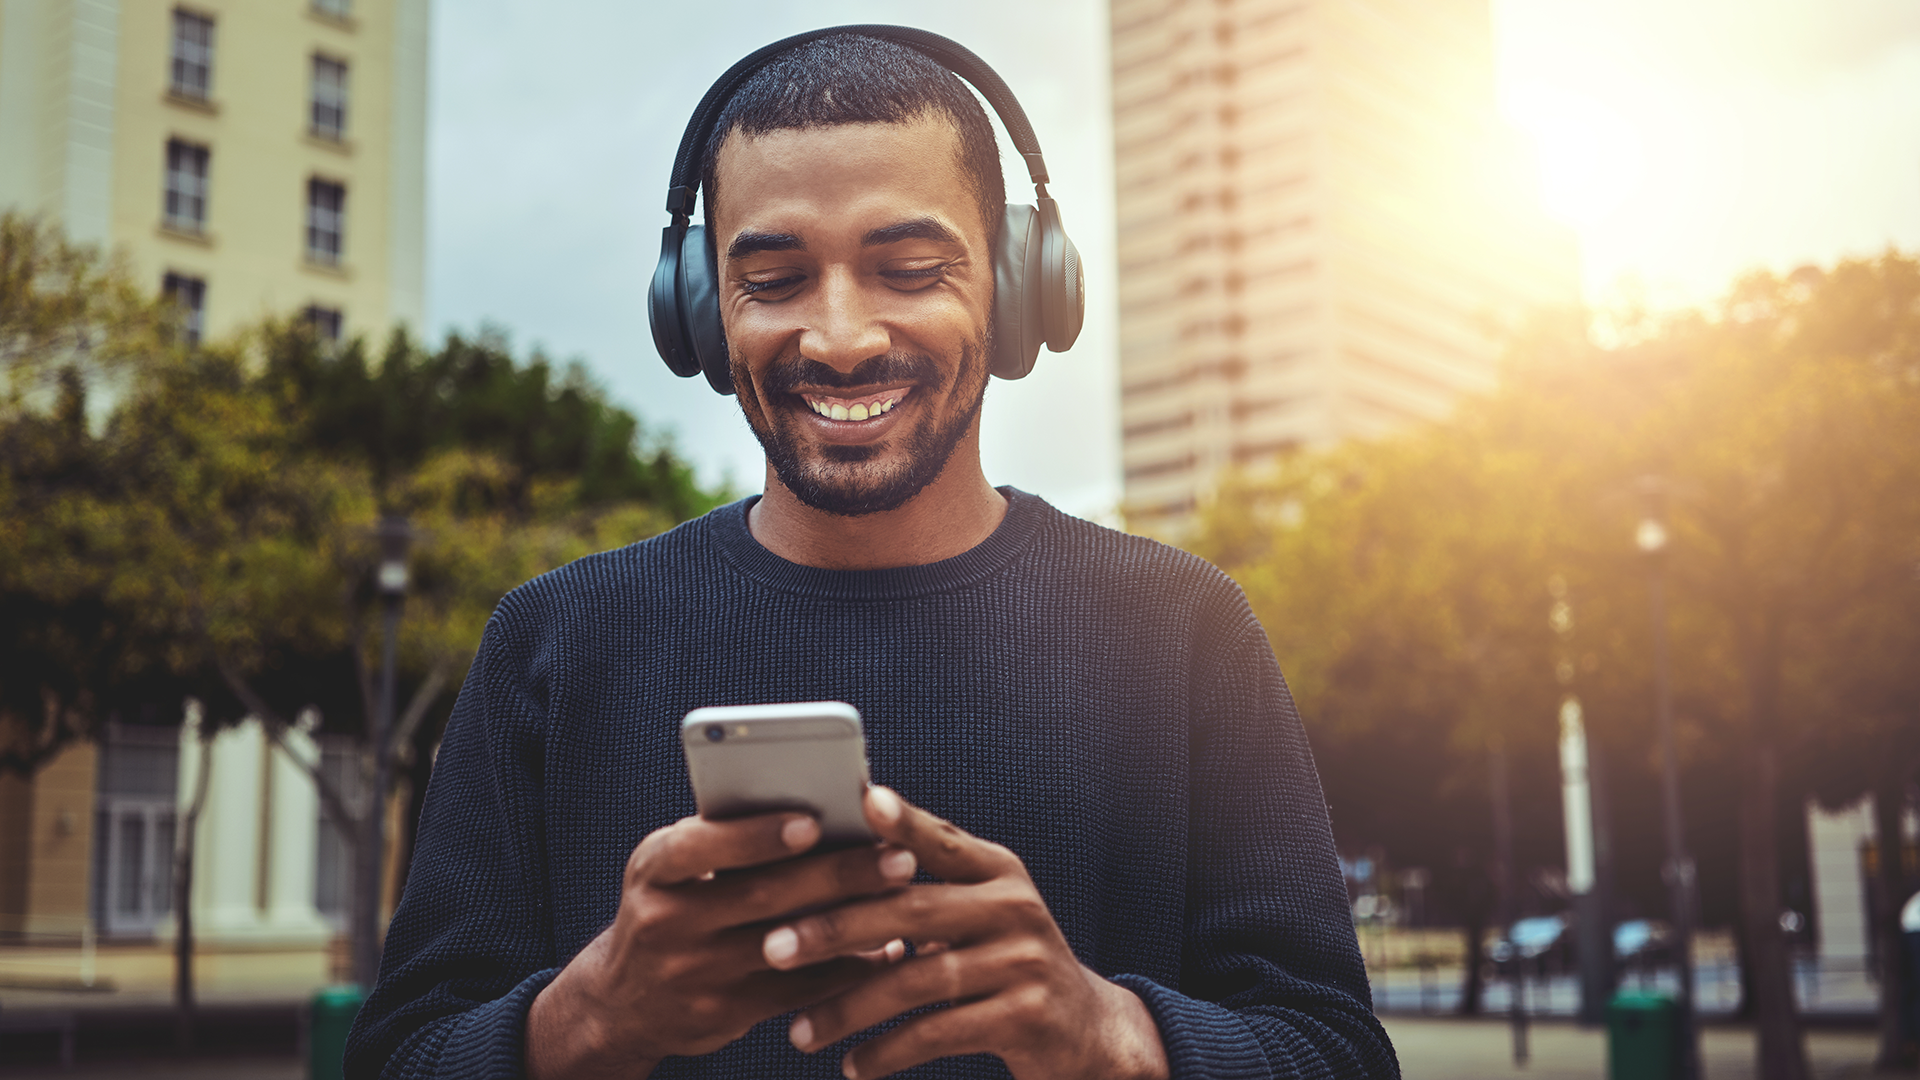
<point x="183" y="850"/>
<point x="1890" y="889"/>
<point x="1780" y="1054"/>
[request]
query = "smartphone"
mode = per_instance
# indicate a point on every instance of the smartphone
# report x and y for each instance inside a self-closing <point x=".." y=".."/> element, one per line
<point x="808" y="756"/>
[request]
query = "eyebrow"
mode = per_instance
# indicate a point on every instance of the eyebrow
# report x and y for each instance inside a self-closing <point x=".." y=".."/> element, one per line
<point x="749" y="242"/>
<point x="924" y="228"/>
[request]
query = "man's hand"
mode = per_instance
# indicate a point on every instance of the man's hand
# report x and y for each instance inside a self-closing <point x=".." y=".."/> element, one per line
<point x="681" y="970"/>
<point x="987" y="945"/>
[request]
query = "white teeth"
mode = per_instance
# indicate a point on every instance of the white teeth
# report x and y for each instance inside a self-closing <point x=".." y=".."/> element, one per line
<point x="857" y="413"/>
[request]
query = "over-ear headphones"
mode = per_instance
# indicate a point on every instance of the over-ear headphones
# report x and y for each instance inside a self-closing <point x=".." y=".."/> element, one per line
<point x="1040" y="293"/>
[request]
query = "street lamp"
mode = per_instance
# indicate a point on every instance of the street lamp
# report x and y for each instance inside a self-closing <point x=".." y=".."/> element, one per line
<point x="1651" y="538"/>
<point x="391" y="579"/>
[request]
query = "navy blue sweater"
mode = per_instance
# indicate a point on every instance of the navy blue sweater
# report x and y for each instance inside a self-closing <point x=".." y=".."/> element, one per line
<point x="1105" y="706"/>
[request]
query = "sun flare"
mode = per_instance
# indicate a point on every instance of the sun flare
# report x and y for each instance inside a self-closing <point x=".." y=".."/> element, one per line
<point x="1590" y="158"/>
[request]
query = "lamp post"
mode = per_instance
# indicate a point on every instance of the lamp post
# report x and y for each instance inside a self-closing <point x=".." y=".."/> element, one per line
<point x="391" y="580"/>
<point x="1651" y="538"/>
<point x="1584" y="828"/>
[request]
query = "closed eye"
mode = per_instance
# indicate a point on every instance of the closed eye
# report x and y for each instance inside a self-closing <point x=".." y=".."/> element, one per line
<point x="752" y="287"/>
<point x="916" y="277"/>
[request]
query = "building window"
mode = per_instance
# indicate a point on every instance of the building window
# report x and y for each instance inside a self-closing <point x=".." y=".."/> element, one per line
<point x="326" y="220"/>
<point x="326" y="321"/>
<point x="134" y="826"/>
<point x="189" y="294"/>
<point x="192" y="55"/>
<point x="329" y="113"/>
<point x="334" y="9"/>
<point x="186" y="202"/>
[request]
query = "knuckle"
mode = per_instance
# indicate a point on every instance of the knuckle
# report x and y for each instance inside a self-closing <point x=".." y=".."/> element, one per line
<point x="825" y="929"/>
<point x="952" y="976"/>
<point x="1030" y="962"/>
<point x="706" y="1011"/>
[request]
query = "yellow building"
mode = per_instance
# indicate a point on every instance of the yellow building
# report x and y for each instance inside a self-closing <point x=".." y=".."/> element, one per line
<point x="252" y="158"/>
<point x="1321" y="230"/>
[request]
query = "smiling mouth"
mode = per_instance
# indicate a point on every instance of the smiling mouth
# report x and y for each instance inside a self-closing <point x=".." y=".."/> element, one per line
<point x="855" y="410"/>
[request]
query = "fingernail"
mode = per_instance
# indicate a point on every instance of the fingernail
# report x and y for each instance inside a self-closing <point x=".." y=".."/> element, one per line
<point x="799" y="832"/>
<point x="896" y="951"/>
<point x="781" y="946"/>
<point x="897" y="865"/>
<point x="801" y="1032"/>
<point x="886" y="805"/>
<point x="847" y="1070"/>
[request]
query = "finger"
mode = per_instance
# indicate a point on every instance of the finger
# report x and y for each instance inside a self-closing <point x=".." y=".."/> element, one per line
<point x="771" y="892"/>
<point x="951" y="913"/>
<point x="766" y="993"/>
<point x="693" y="848"/>
<point x="957" y="975"/>
<point x="968" y="1029"/>
<point x="946" y="851"/>
<point x="891" y="953"/>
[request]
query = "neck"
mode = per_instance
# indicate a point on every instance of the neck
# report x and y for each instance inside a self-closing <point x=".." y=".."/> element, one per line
<point x="950" y="516"/>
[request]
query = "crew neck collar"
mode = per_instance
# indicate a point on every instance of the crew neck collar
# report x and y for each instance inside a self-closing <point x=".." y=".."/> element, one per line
<point x="1015" y="531"/>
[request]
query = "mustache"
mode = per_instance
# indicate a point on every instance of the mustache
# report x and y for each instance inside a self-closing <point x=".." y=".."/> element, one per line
<point x="787" y="376"/>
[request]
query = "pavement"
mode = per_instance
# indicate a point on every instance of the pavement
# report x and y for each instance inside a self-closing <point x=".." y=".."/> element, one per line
<point x="1431" y="1048"/>
<point x="1452" y="1048"/>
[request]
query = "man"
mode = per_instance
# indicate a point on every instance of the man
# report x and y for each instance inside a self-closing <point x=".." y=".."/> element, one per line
<point x="1083" y="746"/>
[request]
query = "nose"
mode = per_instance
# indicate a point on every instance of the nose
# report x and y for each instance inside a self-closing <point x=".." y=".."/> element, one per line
<point x="845" y="328"/>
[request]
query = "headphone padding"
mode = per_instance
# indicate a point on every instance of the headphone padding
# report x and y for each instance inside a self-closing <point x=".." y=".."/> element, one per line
<point x="663" y="308"/>
<point x="1017" y="329"/>
<point x="700" y="307"/>
<point x="1063" y="294"/>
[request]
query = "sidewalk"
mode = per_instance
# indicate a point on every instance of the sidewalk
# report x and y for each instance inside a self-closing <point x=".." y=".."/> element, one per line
<point x="1460" y="1049"/>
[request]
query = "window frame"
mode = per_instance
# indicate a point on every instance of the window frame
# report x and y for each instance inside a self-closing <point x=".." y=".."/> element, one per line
<point x="195" y="194"/>
<point x="179" y="45"/>
<point x="317" y="227"/>
<point x="329" y="323"/>
<point x="188" y="292"/>
<point x="342" y="93"/>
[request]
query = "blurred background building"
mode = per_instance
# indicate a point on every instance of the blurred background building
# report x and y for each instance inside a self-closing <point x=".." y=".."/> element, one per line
<point x="1323" y="228"/>
<point x="251" y="157"/>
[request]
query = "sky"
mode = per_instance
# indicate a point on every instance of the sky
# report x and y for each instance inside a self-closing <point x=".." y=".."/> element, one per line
<point x="1684" y="142"/>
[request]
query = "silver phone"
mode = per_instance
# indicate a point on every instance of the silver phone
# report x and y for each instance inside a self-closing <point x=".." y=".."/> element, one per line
<point x="808" y="756"/>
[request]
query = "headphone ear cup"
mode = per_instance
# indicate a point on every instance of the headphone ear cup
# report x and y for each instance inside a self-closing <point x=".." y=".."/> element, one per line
<point x="1017" y="327"/>
<point x="663" y="308"/>
<point x="699" y="293"/>
<point x="1063" y="282"/>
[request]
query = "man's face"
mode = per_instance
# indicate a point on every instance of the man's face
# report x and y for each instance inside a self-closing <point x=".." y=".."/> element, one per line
<point x="856" y="288"/>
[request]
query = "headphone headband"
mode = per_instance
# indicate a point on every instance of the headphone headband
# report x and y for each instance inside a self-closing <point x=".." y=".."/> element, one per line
<point x="948" y="53"/>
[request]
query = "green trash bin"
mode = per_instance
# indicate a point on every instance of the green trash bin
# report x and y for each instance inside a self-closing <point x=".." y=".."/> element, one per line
<point x="328" y="1020"/>
<point x="1643" y="1036"/>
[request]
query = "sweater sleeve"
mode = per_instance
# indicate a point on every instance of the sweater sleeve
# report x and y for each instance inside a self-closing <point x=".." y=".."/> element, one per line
<point x="1271" y="983"/>
<point x="471" y="943"/>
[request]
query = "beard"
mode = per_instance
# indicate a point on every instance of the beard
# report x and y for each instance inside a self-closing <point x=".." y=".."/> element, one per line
<point x="850" y="481"/>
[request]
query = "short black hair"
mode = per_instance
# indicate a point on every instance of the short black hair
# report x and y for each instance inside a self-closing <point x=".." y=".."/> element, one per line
<point x="854" y="79"/>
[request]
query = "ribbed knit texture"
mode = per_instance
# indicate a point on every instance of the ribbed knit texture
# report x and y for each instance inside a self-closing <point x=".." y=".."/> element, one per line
<point x="1105" y="706"/>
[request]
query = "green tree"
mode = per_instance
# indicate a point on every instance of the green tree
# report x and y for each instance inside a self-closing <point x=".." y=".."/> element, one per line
<point x="179" y="521"/>
<point x="1404" y="581"/>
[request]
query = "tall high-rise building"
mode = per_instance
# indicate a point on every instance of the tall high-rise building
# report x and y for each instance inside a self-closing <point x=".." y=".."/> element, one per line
<point x="251" y="158"/>
<point x="1323" y="231"/>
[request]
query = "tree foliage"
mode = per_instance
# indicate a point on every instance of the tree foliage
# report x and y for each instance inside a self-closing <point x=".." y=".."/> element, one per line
<point x="1406" y="583"/>
<point x="168" y="511"/>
